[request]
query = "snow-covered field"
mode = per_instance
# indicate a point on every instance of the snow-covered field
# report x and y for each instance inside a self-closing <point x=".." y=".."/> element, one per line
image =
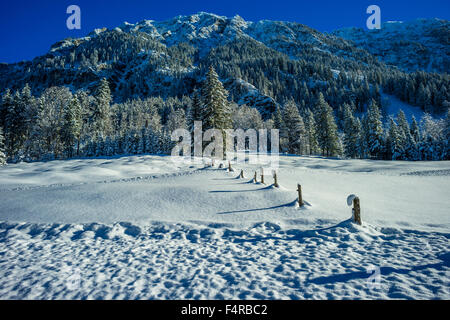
<point x="142" y="227"/>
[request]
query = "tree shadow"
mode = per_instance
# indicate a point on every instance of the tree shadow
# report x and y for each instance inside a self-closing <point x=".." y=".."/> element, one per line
<point x="298" y="235"/>
<point x="232" y="191"/>
<point x="289" y="204"/>
<point x="445" y="257"/>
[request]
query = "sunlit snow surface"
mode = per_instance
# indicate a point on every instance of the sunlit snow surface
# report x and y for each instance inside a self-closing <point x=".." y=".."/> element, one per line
<point x="143" y="227"/>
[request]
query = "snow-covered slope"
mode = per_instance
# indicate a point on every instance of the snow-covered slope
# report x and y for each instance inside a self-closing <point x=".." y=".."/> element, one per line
<point x="142" y="228"/>
<point x="246" y="93"/>
<point x="207" y="30"/>
<point x="422" y="44"/>
<point x="394" y="105"/>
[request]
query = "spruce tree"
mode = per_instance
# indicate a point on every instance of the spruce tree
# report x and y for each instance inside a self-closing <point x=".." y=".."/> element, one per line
<point x="415" y="131"/>
<point x="195" y="111"/>
<point x="374" y="132"/>
<point x="406" y="139"/>
<point x="279" y="124"/>
<point x="415" y="134"/>
<point x="327" y="135"/>
<point x="26" y="99"/>
<point x="295" y="128"/>
<point x="352" y="133"/>
<point x="15" y="126"/>
<point x="100" y="116"/>
<point x="447" y="135"/>
<point x="394" y="141"/>
<point x="216" y="112"/>
<point x="71" y="129"/>
<point x="310" y="124"/>
<point x="177" y="120"/>
<point x="2" y="148"/>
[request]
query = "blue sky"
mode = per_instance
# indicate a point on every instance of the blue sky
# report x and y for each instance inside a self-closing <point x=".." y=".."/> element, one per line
<point x="28" y="27"/>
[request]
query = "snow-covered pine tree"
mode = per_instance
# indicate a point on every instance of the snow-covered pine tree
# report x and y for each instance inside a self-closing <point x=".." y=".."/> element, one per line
<point x="394" y="141"/>
<point x="360" y="143"/>
<point x="352" y="133"/>
<point x="2" y="148"/>
<point x="6" y="105"/>
<point x="295" y="128"/>
<point x="15" y="126"/>
<point x="27" y="107"/>
<point x="406" y="139"/>
<point x="310" y="125"/>
<point x="327" y="135"/>
<point x="415" y="131"/>
<point x="414" y="153"/>
<point x="130" y="142"/>
<point x="195" y="111"/>
<point x="432" y="145"/>
<point x="216" y="109"/>
<point x="71" y="128"/>
<point x="279" y="124"/>
<point x="216" y="113"/>
<point x="176" y="120"/>
<point x="48" y="127"/>
<point x="109" y="147"/>
<point x="100" y="115"/>
<point x="100" y="146"/>
<point x="245" y="117"/>
<point x="447" y="135"/>
<point x="35" y="141"/>
<point x="91" y="148"/>
<point x="374" y="132"/>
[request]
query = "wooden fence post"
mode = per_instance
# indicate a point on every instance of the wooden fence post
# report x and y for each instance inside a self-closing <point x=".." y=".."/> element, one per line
<point x="356" y="211"/>
<point x="275" y="180"/>
<point x="255" y="178"/>
<point x="242" y="174"/>
<point x="229" y="166"/>
<point x="262" y="175"/>
<point x="300" y="198"/>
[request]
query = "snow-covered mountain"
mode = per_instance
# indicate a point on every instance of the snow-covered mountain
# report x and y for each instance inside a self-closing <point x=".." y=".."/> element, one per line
<point x="275" y="59"/>
<point x="422" y="44"/>
<point x="151" y="50"/>
<point x="206" y="31"/>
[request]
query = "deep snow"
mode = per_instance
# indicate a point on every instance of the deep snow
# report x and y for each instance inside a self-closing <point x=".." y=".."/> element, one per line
<point x="141" y="227"/>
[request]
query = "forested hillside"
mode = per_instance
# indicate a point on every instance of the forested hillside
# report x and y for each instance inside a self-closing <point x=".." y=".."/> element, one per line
<point x="123" y="91"/>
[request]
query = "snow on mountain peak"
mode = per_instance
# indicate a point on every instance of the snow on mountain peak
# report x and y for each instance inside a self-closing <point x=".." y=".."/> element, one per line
<point x="411" y="45"/>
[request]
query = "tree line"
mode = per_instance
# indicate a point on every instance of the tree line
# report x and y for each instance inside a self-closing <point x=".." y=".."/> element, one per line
<point x="59" y="124"/>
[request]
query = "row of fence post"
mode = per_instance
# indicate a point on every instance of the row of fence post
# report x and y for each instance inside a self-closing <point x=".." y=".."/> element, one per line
<point x="351" y="200"/>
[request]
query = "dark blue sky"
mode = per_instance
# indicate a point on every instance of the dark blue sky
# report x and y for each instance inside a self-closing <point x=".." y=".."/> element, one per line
<point x="28" y="27"/>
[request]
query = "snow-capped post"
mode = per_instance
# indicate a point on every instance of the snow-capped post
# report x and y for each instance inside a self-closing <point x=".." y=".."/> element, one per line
<point x="356" y="210"/>
<point x="221" y="165"/>
<point x="229" y="166"/>
<point x="255" y="180"/>
<point x="242" y="174"/>
<point x="275" y="179"/>
<point x="262" y="175"/>
<point x="300" y="198"/>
